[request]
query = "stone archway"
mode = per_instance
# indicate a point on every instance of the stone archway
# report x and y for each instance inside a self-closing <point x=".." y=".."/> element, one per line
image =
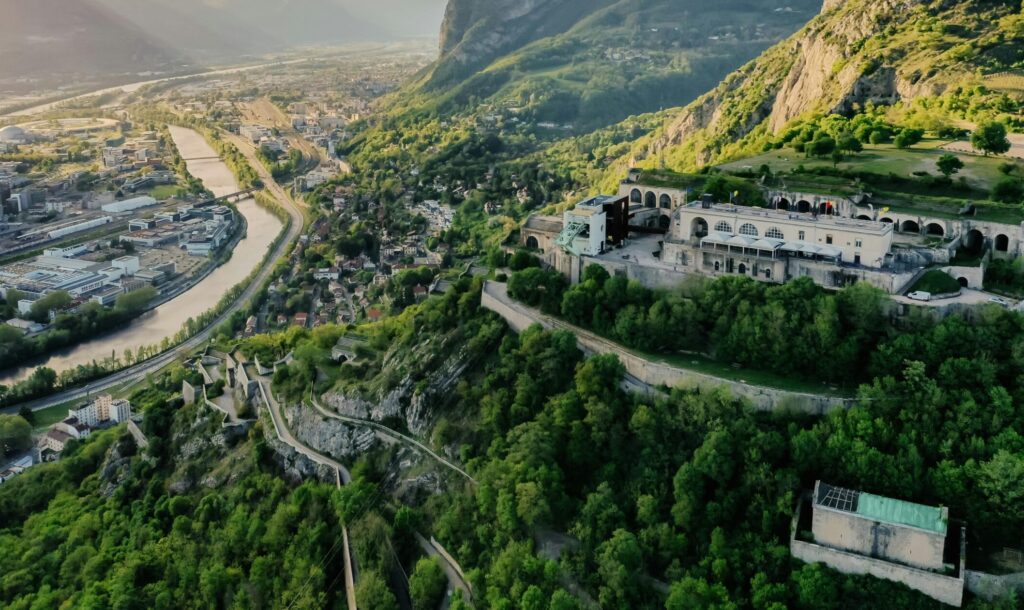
<point x="887" y="220"/>
<point x="698" y="228"/>
<point x="650" y="200"/>
<point x="635" y="196"/>
<point x="963" y="282"/>
<point x="665" y="202"/>
<point x="974" y="241"/>
<point x="532" y="243"/>
<point x="803" y="206"/>
<point x="742" y="269"/>
<point x="863" y="217"/>
<point x="1002" y="243"/>
<point x="783" y="203"/>
<point x="910" y="226"/>
<point x="934" y="229"/>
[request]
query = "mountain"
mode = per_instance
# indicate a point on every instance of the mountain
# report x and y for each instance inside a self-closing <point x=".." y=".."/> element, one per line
<point x="47" y="38"/>
<point x="590" y="63"/>
<point x="218" y="28"/>
<point x="40" y="37"/>
<point x="853" y="53"/>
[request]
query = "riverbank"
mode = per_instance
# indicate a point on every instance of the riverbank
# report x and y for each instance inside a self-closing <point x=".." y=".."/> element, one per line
<point x="181" y="316"/>
<point x="237" y="300"/>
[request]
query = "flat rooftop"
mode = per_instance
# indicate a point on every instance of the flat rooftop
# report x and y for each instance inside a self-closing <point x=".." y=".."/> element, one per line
<point x="867" y="226"/>
<point x="882" y="509"/>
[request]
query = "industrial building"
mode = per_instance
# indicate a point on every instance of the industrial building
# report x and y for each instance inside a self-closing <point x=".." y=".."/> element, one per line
<point x="129" y="205"/>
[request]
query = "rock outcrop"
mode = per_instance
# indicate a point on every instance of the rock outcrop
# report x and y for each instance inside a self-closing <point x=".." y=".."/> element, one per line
<point x="331" y="437"/>
<point x="409" y="401"/>
<point x="855" y="52"/>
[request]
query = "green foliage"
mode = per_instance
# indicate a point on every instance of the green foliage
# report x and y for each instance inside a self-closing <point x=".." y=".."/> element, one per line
<point x="990" y="137"/>
<point x="15" y="435"/>
<point x="427" y="584"/>
<point x="936" y="282"/>
<point x="949" y="164"/>
<point x="730" y="319"/>
<point x="1008" y="190"/>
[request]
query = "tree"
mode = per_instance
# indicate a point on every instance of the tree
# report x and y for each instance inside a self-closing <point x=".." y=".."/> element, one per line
<point x="908" y="137"/>
<point x="55" y="300"/>
<point x="27" y="414"/>
<point x="373" y="593"/>
<point x="427" y="584"/>
<point x="1008" y="190"/>
<point x="991" y="138"/>
<point x="849" y="143"/>
<point x="15" y="434"/>
<point x="1002" y="482"/>
<point x="949" y="164"/>
<point x="821" y="146"/>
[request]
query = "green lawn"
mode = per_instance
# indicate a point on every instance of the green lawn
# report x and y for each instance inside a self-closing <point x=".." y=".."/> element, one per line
<point x="981" y="172"/>
<point x="702" y="364"/>
<point x="164" y="191"/>
<point x="936" y="282"/>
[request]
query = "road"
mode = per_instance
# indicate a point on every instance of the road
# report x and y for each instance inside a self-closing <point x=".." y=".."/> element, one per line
<point x="139" y="371"/>
<point x="283" y="433"/>
<point x="264" y="112"/>
<point x="381" y="429"/>
<point x="968" y="296"/>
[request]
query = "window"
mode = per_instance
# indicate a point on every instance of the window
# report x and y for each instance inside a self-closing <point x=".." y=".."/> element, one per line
<point x="748" y="229"/>
<point x="723" y="227"/>
<point x="860" y="243"/>
<point x="775" y="233"/>
<point x="802" y="236"/>
<point x="767" y="274"/>
<point x="828" y="239"/>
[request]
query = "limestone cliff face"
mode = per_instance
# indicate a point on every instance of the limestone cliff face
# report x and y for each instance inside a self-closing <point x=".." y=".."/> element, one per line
<point x="476" y="32"/>
<point x="423" y="377"/>
<point x="829" y="66"/>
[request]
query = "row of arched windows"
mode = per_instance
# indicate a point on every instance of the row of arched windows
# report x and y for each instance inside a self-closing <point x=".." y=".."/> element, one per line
<point x="749" y="230"/>
<point x="650" y="200"/>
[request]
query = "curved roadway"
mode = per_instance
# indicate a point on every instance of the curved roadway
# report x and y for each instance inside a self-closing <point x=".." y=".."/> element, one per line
<point x="294" y="229"/>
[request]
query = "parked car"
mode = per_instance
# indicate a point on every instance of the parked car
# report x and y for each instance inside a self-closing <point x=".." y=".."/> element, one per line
<point x="999" y="301"/>
<point x="920" y="295"/>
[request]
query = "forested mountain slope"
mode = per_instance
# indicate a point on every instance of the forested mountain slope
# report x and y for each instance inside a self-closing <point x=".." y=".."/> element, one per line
<point x="590" y="63"/>
<point x="855" y="52"/>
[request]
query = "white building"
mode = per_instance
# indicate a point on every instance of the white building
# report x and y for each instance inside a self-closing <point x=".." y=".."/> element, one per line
<point x="104" y="409"/>
<point x="585" y="228"/>
<point x="129" y="265"/>
<point x="129" y="204"/>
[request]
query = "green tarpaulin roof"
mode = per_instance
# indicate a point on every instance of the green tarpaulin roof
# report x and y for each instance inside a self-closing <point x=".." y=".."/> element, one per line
<point x="878" y="508"/>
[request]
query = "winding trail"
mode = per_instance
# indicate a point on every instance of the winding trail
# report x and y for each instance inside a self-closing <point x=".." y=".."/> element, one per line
<point x="384" y="431"/>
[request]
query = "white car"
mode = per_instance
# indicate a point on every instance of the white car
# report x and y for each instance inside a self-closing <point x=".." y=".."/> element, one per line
<point x="999" y="301"/>
<point x="920" y="295"/>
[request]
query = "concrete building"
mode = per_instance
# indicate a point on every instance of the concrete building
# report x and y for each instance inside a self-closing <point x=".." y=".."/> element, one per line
<point x="128" y="264"/>
<point x="102" y="410"/>
<point x="128" y="205"/>
<point x="856" y="532"/>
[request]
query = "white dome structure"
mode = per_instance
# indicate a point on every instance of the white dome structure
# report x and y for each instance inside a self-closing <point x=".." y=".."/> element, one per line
<point x="13" y="133"/>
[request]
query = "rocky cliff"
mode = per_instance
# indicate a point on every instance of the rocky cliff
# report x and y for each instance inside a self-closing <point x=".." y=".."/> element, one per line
<point x="854" y="52"/>
<point x="476" y="32"/>
<point x="426" y="380"/>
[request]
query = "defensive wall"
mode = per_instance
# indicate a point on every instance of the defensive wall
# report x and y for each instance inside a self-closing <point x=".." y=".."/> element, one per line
<point x="520" y="317"/>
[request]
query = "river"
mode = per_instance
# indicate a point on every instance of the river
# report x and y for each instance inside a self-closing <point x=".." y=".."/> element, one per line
<point x="167" y="319"/>
<point x="133" y="87"/>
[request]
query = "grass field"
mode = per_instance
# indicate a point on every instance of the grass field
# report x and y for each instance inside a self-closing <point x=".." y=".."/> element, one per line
<point x="701" y="364"/>
<point x="981" y="172"/>
<point x="936" y="282"/>
<point x="164" y="191"/>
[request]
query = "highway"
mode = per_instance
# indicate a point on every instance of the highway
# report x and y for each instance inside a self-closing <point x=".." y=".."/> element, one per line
<point x="139" y="371"/>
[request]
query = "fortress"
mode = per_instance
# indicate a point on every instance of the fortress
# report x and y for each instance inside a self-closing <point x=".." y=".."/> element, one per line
<point x="659" y="236"/>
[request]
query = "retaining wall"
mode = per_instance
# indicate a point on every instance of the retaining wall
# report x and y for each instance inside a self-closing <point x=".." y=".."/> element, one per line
<point x="520" y="317"/>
